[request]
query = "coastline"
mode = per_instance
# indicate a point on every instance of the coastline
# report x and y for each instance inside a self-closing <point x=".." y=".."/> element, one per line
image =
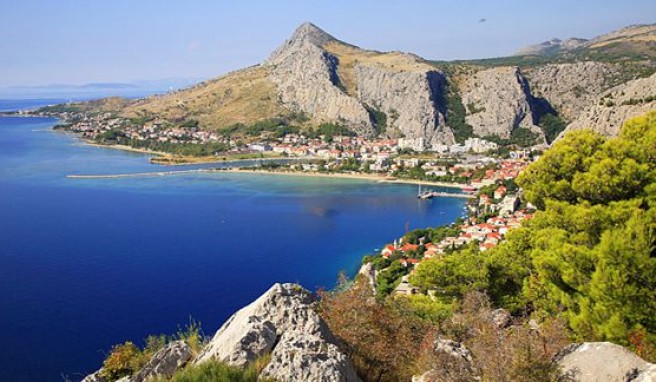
<point x="369" y="177"/>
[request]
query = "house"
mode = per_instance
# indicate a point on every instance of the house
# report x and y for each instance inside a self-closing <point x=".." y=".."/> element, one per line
<point x="388" y="251"/>
<point x="500" y="192"/>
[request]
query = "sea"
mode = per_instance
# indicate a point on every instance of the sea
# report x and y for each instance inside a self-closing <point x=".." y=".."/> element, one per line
<point x="89" y="263"/>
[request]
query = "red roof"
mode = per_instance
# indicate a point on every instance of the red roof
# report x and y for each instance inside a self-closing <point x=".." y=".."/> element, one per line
<point x="409" y="247"/>
<point x="413" y="261"/>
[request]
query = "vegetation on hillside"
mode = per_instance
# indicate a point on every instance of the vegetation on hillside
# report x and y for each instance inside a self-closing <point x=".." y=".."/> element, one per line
<point x="588" y="255"/>
<point x="582" y="269"/>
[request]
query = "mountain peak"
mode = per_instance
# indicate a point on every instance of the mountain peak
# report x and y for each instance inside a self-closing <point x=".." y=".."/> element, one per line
<point x="308" y="32"/>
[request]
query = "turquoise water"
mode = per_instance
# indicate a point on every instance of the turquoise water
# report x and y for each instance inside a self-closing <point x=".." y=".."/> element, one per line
<point x="87" y="263"/>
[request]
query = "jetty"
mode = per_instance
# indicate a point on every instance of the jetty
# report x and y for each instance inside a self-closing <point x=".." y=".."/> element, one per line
<point x="136" y="174"/>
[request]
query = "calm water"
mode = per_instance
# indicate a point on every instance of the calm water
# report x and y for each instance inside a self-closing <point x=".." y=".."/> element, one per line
<point x="85" y="264"/>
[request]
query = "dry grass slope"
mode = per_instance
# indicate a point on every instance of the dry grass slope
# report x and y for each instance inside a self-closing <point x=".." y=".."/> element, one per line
<point x="244" y="96"/>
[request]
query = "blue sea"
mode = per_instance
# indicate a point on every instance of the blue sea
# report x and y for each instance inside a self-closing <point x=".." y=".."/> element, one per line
<point x="88" y="263"/>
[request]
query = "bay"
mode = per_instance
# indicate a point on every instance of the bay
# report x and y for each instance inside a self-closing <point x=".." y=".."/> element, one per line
<point x="88" y="263"/>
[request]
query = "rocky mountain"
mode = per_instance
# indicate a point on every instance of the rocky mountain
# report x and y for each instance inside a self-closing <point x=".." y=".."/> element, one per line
<point x="498" y="101"/>
<point x="552" y="46"/>
<point x="609" y="112"/>
<point x="314" y="78"/>
<point x="631" y="41"/>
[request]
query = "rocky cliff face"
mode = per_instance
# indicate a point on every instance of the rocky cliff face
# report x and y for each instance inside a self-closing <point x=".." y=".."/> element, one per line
<point x="311" y="79"/>
<point x="409" y="99"/>
<point x="571" y="88"/>
<point x="498" y="101"/>
<point x="607" y="115"/>
<point x="306" y="79"/>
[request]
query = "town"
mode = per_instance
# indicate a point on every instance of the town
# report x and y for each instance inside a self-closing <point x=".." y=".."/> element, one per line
<point x="476" y="162"/>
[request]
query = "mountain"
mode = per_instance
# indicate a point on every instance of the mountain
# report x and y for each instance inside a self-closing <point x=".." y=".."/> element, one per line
<point x="96" y="90"/>
<point x="315" y="78"/>
<point x="636" y="41"/>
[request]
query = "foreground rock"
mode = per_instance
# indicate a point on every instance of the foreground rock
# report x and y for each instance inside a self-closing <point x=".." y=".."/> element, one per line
<point x="455" y="363"/>
<point x="281" y="322"/>
<point x="165" y="362"/>
<point x="603" y="361"/>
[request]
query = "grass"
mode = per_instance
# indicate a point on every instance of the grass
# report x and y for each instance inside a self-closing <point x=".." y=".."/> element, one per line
<point x="244" y="96"/>
<point x="215" y="371"/>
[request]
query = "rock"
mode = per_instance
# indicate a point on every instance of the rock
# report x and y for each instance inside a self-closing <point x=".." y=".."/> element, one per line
<point x="410" y="99"/>
<point x="306" y="357"/>
<point x="622" y="103"/>
<point x="165" y="362"/>
<point x="602" y="361"/>
<point x="453" y="348"/>
<point x="94" y="377"/>
<point x="552" y="46"/>
<point x="369" y="272"/>
<point x="501" y="318"/>
<point x="306" y="79"/>
<point x="646" y="375"/>
<point x="311" y="78"/>
<point x="571" y="88"/>
<point x="281" y="321"/>
<point x="498" y="101"/>
<point x="453" y="363"/>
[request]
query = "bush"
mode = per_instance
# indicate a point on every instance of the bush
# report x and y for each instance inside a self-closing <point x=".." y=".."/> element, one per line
<point x="215" y="371"/>
<point x="123" y="360"/>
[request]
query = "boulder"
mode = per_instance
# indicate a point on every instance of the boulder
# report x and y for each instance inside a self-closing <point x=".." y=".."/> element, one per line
<point x="500" y="318"/>
<point x="165" y="362"/>
<point x="306" y="357"/>
<point x="282" y="322"/>
<point x="94" y="377"/>
<point x="602" y="361"/>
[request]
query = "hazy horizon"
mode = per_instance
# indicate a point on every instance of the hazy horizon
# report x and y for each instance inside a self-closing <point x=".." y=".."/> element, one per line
<point x="78" y="42"/>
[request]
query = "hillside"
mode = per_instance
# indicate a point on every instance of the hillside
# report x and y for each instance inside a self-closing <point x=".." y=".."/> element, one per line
<point x="315" y="78"/>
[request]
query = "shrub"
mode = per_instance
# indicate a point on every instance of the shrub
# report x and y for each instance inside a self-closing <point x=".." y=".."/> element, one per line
<point x="123" y="360"/>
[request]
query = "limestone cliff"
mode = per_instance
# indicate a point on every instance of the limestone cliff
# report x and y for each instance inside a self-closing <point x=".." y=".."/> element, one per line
<point x="623" y="102"/>
<point x="571" y="88"/>
<point x="333" y="81"/>
<point x="498" y="101"/>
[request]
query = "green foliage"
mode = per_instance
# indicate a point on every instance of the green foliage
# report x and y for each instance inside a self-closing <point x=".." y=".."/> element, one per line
<point x="379" y="118"/>
<point x="428" y="309"/>
<point x="389" y="278"/>
<point x="588" y="255"/>
<point x="455" y="109"/>
<point x="183" y="149"/>
<point x="123" y="360"/>
<point x="552" y="125"/>
<point x="189" y="123"/>
<point x="520" y="136"/>
<point x="453" y="275"/>
<point x="110" y="136"/>
<point x="215" y="371"/>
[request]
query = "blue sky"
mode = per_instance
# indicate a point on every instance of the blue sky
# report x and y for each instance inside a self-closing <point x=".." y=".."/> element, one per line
<point x="75" y="41"/>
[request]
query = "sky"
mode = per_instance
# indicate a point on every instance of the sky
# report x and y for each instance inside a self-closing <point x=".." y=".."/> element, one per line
<point x="46" y="42"/>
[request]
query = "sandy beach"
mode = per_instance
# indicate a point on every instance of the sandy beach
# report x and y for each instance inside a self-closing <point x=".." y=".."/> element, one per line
<point x="369" y="177"/>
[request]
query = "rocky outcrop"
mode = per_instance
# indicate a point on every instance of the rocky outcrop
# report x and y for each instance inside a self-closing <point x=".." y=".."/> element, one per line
<point x="498" y="101"/>
<point x="571" y="88"/>
<point x="500" y="318"/>
<point x="409" y="99"/>
<point x="281" y="321"/>
<point x="165" y="362"/>
<point x="455" y="363"/>
<point x="602" y="361"/>
<point x="307" y="357"/>
<point x="306" y="78"/>
<point x="620" y="104"/>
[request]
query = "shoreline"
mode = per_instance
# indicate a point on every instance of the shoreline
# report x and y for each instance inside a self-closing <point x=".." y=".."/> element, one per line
<point x="369" y="177"/>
